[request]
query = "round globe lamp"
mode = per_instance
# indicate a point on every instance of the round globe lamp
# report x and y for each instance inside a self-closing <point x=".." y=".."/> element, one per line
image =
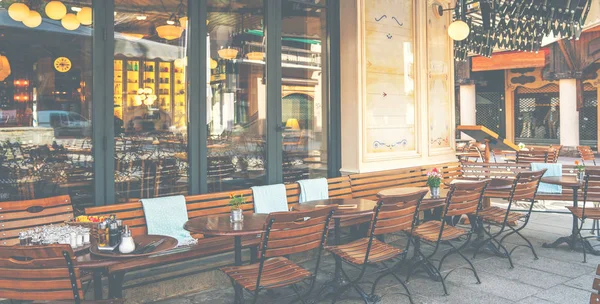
<point x="169" y="32"/>
<point x="18" y="11"/>
<point x="459" y="30"/>
<point x="55" y="10"/>
<point x="34" y="19"/>
<point x="70" y="22"/>
<point x="85" y="16"/>
<point x="4" y="68"/>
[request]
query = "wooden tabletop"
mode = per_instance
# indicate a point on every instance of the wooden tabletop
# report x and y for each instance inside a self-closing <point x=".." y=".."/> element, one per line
<point x="566" y="181"/>
<point x="221" y="225"/>
<point x="363" y="206"/>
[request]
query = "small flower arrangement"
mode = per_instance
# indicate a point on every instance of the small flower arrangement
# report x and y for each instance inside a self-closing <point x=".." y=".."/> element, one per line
<point x="434" y="178"/>
<point x="579" y="166"/>
<point x="521" y="146"/>
<point x="236" y="201"/>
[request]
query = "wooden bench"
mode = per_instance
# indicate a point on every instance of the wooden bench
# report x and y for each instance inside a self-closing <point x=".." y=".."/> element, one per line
<point x="510" y="171"/>
<point x="132" y="214"/>
<point x="21" y="215"/>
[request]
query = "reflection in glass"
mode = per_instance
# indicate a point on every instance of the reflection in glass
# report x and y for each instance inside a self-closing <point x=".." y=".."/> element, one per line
<point x="150" y="101"/>
<point x="236" y="95"/>
<point x="45" y="103"/>
<point x="304" y="90"/>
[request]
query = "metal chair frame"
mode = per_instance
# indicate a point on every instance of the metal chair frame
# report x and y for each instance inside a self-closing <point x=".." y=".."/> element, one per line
<point x="270" y="221"/>
<point x="492" y="237"/>
<point x="585" y="245"/>
<point x="426" y="263"/>
<point x="387" y="270"/>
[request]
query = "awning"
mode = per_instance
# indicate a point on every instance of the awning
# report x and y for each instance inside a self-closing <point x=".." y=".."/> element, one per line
<point x="510" y="60"/>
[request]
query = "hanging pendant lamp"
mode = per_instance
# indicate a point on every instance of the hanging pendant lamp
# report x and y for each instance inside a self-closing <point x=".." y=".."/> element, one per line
<point x="18" y="11"/>
<point x="4" y="68"/>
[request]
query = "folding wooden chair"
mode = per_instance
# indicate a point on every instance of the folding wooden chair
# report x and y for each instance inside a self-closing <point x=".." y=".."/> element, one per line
<point x="510" y="222"/>
<point x="41" y="273"/>
<point x="462" y="199"/>
<point x="286" y="233"/>
<point x="591" y="194"/>
<point x="393" y="213"/>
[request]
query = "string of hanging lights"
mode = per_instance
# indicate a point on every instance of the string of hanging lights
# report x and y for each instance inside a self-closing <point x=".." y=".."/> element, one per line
<point x="55" y="10"/>
<point x="481" y="26"/>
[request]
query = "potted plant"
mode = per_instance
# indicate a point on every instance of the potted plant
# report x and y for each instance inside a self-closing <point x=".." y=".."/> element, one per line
<point x="580" y="167"/>
<point x="434" y="180"/>
<point x="235" y="202"/>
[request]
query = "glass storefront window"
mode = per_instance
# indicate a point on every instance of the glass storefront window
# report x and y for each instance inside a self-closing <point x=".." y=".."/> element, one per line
<point x="537" y="118"/>
<point x="236" y="95"/>
<point x="304" y="90"/>
<point x="150" y="99"/>
<point x="45" y="102"/>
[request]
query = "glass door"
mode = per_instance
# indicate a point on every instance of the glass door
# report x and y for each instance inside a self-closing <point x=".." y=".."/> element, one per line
<point x="304" y="100"/>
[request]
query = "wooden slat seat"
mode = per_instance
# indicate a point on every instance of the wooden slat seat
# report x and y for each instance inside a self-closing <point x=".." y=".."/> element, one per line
<point x="277" y="272"/>
<point x="496" y="215"/>
<point x="430" y="231"/>
<point x="355" y="251"/>
<point x="590" y="213"/>
<point x="587" y="154"/>
<point x="22" y="215"/>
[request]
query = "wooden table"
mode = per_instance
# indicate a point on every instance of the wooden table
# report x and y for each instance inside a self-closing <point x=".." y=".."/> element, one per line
<point x="221" y="225"/>
<point x="573" y="239"/>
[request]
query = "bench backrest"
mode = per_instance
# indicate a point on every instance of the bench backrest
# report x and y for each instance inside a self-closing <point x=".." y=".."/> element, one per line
<point x="21" y="215"/>
<point x="536" y="156"/>
<point x="367" y="185"/>
<point x="132" y="213"/>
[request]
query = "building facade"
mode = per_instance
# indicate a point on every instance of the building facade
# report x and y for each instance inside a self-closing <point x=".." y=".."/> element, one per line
<point x="114" y="100"/>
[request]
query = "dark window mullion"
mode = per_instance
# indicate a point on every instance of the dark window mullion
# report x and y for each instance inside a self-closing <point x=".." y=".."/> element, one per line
<point x="274" y="141"/>
<point x="334" y="155"/>
<point x="102" y="112"/>
<point x="197" y="132"/>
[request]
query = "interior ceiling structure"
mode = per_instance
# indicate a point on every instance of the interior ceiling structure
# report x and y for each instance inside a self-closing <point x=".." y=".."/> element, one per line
<point x="517" y="24"/>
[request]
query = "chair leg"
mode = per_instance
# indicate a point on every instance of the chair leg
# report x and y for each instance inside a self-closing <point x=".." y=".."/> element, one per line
<point x="506" y="252"/>
<point x="391" y="271"/>
<point x="535" y="256"/>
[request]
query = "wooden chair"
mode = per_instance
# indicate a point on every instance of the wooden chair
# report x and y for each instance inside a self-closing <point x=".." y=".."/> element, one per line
<point x="462" y="199"/>
<point x="557" y="149"/>
<point x="586" y="154"/>
<point x="595" y="296"/>
<point x="286" y="233"/>
<point x="17" y="216"/>
<point x="591" y="193"/>
<point x="524" y="188"/>
<point x="32" y="273"/>
<point x="535" y="156"/>
<point x="393" y="213"/>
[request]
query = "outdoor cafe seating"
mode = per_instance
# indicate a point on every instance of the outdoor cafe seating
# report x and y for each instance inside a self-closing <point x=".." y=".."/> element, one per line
<point x="400" y="208"/>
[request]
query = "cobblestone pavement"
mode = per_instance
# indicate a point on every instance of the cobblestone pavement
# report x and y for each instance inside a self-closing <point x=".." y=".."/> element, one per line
<point x="559" y="276"/>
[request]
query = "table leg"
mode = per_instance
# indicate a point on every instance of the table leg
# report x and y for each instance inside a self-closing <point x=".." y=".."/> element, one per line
<point x="239" y="292"/>
<point x="338" y="279"/>
<point x="115" y="285"/>
<point x="573" y="239"/>
<point x="97" y="284"/>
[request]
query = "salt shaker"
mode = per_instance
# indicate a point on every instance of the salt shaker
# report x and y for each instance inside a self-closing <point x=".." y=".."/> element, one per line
<point x="127" y="244"/>
<point x="73" y="239"/>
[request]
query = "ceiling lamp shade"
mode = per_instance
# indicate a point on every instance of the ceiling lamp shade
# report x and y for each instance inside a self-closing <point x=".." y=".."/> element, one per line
<point x="258" y="56"/>
<point x="18" y="11"/>
<point x="184" y="22"/>
<point x="33" y="20"/>
<point x="70" y="22"/>
<point x="169" y="32"/>
<point x="228" y="53"/>
<point x="85" y="16"/>
<point x="133" y="36"/>
<point x="55" y="10"/>
<point x="459" y="30"/>
<point x="4" y="67"/>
